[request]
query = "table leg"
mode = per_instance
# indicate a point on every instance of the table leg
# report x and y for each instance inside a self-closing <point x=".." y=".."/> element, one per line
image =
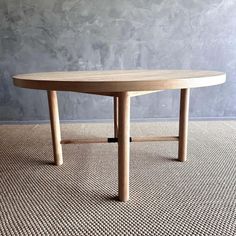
<point x="116" y="125"/>
<point x="124" y="146"/>
<point x="183" y="124"/>
<point x="55" y="127"/>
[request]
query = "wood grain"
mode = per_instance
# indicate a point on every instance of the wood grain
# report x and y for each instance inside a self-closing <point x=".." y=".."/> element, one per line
<point x="183" y="124"/>
<point x="131" y="94"/>
<point x="133" y="139"/>
<point x="55" y="127"/>
<point x="116" y="118"/>
<point x="119" y="81"/>
<point x="155" y="139"/>
<point x="124" y="146"/>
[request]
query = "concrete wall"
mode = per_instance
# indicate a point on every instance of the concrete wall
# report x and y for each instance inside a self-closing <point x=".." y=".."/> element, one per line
<point x="50" y="35"/>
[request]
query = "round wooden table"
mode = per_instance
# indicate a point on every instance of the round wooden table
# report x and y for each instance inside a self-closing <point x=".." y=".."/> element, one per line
<point x="121" y="85"/>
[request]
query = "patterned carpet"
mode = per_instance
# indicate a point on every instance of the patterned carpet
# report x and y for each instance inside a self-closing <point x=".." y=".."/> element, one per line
<point x="80" y="197"/>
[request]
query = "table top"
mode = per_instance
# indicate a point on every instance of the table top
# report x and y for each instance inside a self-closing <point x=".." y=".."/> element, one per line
<point x="119" y="81"/>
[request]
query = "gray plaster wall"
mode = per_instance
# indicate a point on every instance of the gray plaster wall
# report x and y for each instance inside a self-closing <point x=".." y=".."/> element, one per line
<point x="52" y="35"/>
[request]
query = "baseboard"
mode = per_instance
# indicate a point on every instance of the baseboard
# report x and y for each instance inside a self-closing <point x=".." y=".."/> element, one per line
<point x="110" y="120"/>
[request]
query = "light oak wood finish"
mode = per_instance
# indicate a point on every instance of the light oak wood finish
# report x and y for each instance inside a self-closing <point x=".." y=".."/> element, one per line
<point x="131" y="94"/>
<point x="116" y="118"/>
<point x="122" y="85"/>
<point x="132" y="139"/>
<point x="84" y="141"/>
<point x="155" y="139"/>
<point x="123" y="146"/>
<point x="55" y="127"/>
<point x="140" y="93"/>
<point x="183" y="124"/>
<point x="119" y="81"/>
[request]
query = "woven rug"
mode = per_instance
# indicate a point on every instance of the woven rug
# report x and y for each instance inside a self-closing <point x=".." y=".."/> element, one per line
<point x="167" y="197"/>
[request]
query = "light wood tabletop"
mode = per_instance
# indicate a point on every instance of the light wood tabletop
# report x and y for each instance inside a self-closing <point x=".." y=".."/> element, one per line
<point x="119" y="81"/>
<point x="121" y="85"/>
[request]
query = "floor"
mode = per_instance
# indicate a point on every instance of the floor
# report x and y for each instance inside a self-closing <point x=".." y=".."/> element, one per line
<point x="167" y="197"/>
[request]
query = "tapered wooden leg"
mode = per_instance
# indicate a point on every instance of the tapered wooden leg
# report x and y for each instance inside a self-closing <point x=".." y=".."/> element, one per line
<point x="183" y="124"/>
<point x="55" y="127"/>
<point x="124" y="146"/>
<point x="116" y="117"/>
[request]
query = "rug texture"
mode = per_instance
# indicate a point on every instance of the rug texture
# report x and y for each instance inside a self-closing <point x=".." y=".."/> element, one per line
<point x="167" y="197"/>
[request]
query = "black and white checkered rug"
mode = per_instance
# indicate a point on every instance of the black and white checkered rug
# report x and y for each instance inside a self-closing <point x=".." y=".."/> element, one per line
<point x="79" y="198"/>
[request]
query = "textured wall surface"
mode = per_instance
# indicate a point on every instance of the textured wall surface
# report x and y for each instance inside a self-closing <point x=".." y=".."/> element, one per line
<point x="50" y="35"/>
